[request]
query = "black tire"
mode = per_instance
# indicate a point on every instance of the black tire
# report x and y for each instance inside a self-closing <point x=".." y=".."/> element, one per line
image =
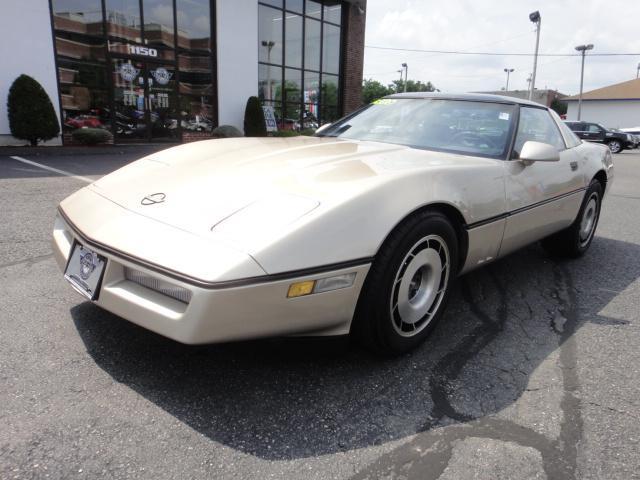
<point x="572" y="242"/>
<point x="615" y="146"/>
<point x="377" y="324"/>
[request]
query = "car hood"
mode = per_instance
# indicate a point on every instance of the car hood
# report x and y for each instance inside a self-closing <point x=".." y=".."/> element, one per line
<point x="197" y="186"/>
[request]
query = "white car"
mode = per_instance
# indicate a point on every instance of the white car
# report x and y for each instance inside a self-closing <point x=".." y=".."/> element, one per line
<point x="361" y="229"/>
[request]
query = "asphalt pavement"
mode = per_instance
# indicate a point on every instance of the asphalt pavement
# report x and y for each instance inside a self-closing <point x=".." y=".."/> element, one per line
<point x="533" y="372"/>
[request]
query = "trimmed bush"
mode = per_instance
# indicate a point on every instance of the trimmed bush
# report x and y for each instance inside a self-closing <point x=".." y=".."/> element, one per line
<point x="254" y="124"/>
<point x="285" y="133"/>
<point x="31" y="114"/>
<point x="226" y="131"/>
<point x="91" y="136"/>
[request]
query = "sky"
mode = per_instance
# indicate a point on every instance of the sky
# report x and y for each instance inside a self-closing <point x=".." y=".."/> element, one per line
<point x="502" y="26"/>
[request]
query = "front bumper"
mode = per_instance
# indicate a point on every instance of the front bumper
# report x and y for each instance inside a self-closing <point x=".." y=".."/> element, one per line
<point x="217" y="312"/>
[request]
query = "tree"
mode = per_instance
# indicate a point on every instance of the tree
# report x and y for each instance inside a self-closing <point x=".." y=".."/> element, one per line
<point x="254" y="124"/>
<point x="559" y="106"/>
<point x="412" y="86"/>
<point x="373" y="90"/>
<point x="31" y="114"/>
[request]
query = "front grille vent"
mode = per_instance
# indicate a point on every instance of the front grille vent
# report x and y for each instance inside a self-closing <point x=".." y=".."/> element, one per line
<point x="153" y="283"/>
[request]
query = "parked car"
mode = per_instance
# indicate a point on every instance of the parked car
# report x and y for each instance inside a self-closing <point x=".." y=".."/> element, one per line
<point x="635" y="132"/>
<point x="594" y="132"/>
<point x="358" y="230"/>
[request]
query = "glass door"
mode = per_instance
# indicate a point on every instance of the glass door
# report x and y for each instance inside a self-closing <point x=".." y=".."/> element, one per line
<point x="162" y="103"/>
<point x="145" y="101"/>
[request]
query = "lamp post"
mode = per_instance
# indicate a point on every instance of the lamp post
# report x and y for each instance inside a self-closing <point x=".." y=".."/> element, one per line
<point x="406" y="75"/>
<point x="401" y="71"/>
<point x="536" y="18"/>
<point x="509" y="71"/>
<point x="269" y="45"/>
<point x="582" y="49"/>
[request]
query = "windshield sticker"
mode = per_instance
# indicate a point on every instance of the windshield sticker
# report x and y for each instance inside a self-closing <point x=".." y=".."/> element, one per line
<point x="503" y="116"/>
<point x="383" y="101"/>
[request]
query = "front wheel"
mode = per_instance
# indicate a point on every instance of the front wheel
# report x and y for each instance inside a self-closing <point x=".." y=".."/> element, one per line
<point x="406" y="289"/>
<point x="575" y="240"/>
<point x="615" y="146"/>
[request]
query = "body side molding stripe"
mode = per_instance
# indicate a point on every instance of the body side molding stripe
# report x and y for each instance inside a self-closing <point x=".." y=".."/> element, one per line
<point x="502" y="216"/>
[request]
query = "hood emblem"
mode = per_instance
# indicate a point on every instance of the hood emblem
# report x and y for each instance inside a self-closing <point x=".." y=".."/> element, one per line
<point x="153" y="199"/>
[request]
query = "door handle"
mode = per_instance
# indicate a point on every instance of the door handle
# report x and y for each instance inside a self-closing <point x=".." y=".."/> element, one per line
<point x="574" y="166"/>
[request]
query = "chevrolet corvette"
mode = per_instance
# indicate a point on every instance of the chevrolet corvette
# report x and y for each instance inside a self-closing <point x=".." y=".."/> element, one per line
<point x="360" y="229"/>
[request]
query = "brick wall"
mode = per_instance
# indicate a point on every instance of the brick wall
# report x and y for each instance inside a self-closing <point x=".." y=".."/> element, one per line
<point x="353" y="56"/>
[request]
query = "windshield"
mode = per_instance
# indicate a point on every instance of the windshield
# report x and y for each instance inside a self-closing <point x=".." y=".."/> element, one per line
<point x="456" y="126"/>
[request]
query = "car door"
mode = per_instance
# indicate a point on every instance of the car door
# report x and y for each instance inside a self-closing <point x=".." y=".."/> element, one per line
<point x="596" y="133"/>
<point x="542" y="197"/>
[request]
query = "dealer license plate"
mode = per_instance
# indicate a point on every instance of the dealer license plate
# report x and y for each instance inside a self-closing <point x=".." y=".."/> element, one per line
<point x="84" y="271"/>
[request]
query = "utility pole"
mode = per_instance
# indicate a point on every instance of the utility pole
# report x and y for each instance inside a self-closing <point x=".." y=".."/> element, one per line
<point x="583" y="50"/>
<point x="536" y="18"/>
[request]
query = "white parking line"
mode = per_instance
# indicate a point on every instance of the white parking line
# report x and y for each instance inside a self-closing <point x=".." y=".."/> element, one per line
<point x="54" y="170"/>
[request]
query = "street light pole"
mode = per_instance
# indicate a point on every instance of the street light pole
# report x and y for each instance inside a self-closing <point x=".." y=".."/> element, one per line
<point x="536" y="18"/>
<point x="406" y="76"/>
<point x="269" y="44"/>
<point x="509" y="71"/>
<point x="583" y="50"/>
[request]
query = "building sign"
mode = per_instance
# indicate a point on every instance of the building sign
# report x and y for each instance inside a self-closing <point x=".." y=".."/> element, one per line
<point x="144" y="51"/>
<point x="270" y="119"/>
<point x="161" y="75"/>
<point x="128" y="72"/>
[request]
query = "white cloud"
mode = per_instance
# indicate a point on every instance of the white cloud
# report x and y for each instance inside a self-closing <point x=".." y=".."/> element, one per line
<point x="502" y="26"/>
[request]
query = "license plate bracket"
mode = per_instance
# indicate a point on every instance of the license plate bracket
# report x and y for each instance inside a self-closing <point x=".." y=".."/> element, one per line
<point x="84" y="271"/>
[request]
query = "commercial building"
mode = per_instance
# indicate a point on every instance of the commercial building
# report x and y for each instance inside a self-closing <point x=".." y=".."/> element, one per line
<point x="172" y="70"/>
<point x="545" y="97"/>
<point x="614" y="106"/>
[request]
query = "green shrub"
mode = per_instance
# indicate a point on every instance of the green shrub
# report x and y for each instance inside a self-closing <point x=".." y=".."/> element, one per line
<point x="91" y="136"/>
<point x="254" y="124"/>
<point x="31" y="114"/>
<point x="285" y="133"/>
<point x="308" y="132"/>
<point x="226" y="131"/>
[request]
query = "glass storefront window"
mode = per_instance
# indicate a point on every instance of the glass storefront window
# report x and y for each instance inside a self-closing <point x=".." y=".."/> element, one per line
<point x="312" y="44"/>
<point x="331" y="49"/>
<point x="332" y="12"/>
<point x="84" y="94"/>
<point x="158" y="23"/>
<point x="196" y="93"/>
<point x="293" y="40"/>
<point x="295" y="5"/>
<point x="269" y="83"/>
<point x="311" y="65"/>
<point x="123" y="19"/>
<point x="329" y="90"/>
<point x="293" y="85"/>
<point x="133" y="79"/>
<point x="83" y="17"/>
<point x="314" y="9"/>
<point x="270" y="35"/>
<point x="194" y="25"/>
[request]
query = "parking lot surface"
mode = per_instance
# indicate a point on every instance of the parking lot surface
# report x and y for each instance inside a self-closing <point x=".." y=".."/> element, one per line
<point x="533" y="372"/>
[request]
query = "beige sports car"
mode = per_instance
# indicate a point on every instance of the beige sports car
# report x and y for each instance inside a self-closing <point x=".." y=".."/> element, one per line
<point x="361" y="229"/>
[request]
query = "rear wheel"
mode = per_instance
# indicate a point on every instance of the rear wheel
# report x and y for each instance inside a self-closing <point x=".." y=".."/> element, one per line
<point x="615" y="146"/>
<point x="408" y="285"/>
<point x="575" y="240"/>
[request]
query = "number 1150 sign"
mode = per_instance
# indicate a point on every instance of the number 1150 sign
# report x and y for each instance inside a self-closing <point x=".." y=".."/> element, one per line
<point x="146" y="51"/>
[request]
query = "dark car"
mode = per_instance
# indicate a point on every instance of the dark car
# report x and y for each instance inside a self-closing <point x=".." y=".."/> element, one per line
<point x="594" y="132"/>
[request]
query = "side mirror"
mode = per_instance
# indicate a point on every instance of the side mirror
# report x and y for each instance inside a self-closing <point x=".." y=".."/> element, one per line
<point x="539" y="152"/>
<point x="322" y="128"/>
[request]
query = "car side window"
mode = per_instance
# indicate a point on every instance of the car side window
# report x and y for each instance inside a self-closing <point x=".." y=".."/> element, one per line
<point x="536" y="125"/>
<point x="593" y="128"/>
